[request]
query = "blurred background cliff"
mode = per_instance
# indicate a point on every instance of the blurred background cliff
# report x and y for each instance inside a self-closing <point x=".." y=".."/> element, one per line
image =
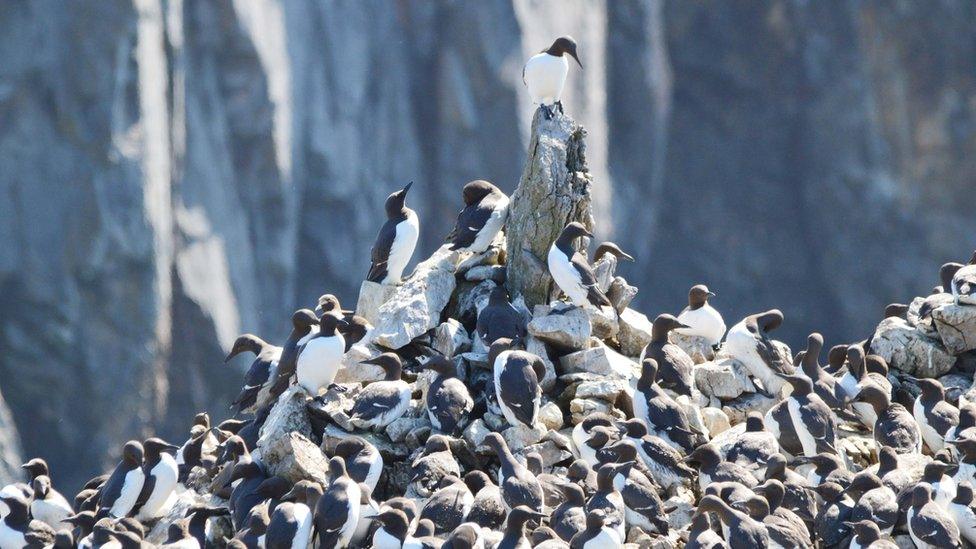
<point x="175" y="172"/>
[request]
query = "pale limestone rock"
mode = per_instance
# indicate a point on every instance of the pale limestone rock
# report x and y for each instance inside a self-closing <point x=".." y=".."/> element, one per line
<point x="955" y="385"/>
<point x="603" y="321"/>
<point x="621" y="294"/>
<point x="352" y="369"/>
<point x="417" y="304"/>
<point x="181" y="501"/>
<point x="372" y="296"/>
<point x="450" y="338"/>
<point x="495" y="273"/>
<point x="519" y="436"/>
<point x="537" y="347"/>
<point x="600" y="360"/>
<point x="568" y="330"/>
<point x="715" y="421"/>
<point x="604" y="269"/>
<point x="551" y="416"/>
<point x="956" y="325"/>
<point x="475" y="433"/>
<point x="697" y="347"/>
<point x="635" y="332"/>
<point x="289" y="415"/>
<point x="724" y="378"/>
<point x="908" y="350"/>
<point x="604" y="389"/>
<point x="398" y="430"/>
<point x="681" y="507"/>
<point x="296" y="458"/>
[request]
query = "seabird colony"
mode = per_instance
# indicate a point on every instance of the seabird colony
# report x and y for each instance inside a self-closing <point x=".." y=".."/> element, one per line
<point x="580" y="424"/>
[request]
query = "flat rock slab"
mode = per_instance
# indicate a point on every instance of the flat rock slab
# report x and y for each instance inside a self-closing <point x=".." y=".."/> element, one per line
<point x="909" y="350"/>
<point x="372" y="296"/>
<point x="296" y="458"/>
<point x="956" y="325"/>
<point x="289" y="415"/>
<point x="697" y="347"/>
<point x="352" y="369"/>
<point x="634" y="333"/>
<point x="724" y="378"/>
<point x="568" y="330"/>
<point x="416" y="305"/>
<point x="600" y="360"/>
<point x="621" y="293"/>
<point x="450" y="338"/>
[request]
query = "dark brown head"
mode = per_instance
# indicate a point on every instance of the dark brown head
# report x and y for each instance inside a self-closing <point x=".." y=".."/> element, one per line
<point x="932" y="390"/>
<point x="867" y="532"/>
<point x="475" y="191"/>
<point x="391" y="364"/>
<point x="302" y="321"/>
<point x="564" y="44"/>
<point x="874" y="364"/>
<point x="440" y="443"/>
<point x="441" y="365"/>
<point x="612" y="249"/>
<point x="133" y="453"/>
<point x="247" y="343"/>
<point x="498" y="347"/>
<point x="395" y="203"/>
<point x="36" y="467"/>
<point x="698" y="296"/>
<point x="570" y="233"/>
<point x="476" y="480"/>
<point x="755" y="423"/>
<point x="663" y="325"/>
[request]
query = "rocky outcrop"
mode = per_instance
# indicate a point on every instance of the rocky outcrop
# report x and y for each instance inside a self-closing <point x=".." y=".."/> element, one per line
<point x="904" y="347"/>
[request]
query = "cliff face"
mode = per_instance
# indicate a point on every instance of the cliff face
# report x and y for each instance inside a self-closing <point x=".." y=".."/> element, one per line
<point x="169" y="167"/>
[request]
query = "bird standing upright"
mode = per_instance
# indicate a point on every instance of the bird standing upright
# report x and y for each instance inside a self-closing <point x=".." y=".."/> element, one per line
<point x="396" y="240"/>
<point x="483" y="215"/>
<point x="545" y="74"/>
<point x="571" y="271"/>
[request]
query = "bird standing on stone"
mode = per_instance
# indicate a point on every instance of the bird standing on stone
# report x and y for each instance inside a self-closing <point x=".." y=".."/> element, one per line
<point x="545" y="74"/>
<point x="964" y="283"/>
<point x="660" y="412"/>
<point x="302" y="322"/>
<point x="382" y="402"/>
<point x="571" y="271"/>
<point x="935" y="416"/>
<point x="484" y="213"/>
<point x="701" y="319"/>
<point x="675" y="368"/>
<point x="518" y="485"/>
<point x="448" y="400"/>
<point x="500" y="318"/>
<point x="396" y="240"/>
<point x="337" y="511"/>
<point x="517" y="375"/>
<point x="255" y="392"/>
<point x="121" y="491"/>
<point x="749" y="343"/>
<point x="161" y="473"/>
<point x="321" y="358"/>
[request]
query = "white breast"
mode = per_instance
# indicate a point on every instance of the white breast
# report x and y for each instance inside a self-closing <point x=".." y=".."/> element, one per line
<point x="705" y="322"/>
<point x="492" y="226"/>
<point x="303" y="516"/>
<point x="407" y="232"/>
<point x="545" y="76"/>
<point x="10" y="538"/>
<point x="931" y="437"/>
<point x="965" y="519"/>
<point x="384" y="540"/>
<point x="741" y="345"/>
<point x="131" y="487"/>
<point x="319" y="362"/>
<point x="566" y="276"/>
<point x="52" y="510"/>
<point x="354" y="497"/>
<point x="806" y="439"/>
<point x="606" y="539"/>
<point x="166" y="473"/>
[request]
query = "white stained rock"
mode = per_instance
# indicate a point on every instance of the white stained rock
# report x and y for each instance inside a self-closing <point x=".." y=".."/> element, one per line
<point x="715" y="421"/>
<point x="352" y="369"/>
<point x="475" y="434"/>
<point x="495" y="273"/>
<point x="600" y="360"/>
<point x="289" y="415"/>
<point x="551" y="416"/>
<point x="909" y="350"/>
<point x="683" y="505"/>
<point x="956" y="325"/>
<point x="450" y="338"/>
<point x="697" y="347"/>
<point x="635" y="332"/>
<point x="603" y="321"/>
<point x="417" y="304"/>
<point x="399" y="428"/>
<point x="537" y="347"/>
<point x="582" y="407"/>
<point x="724" y="378"/>
<point x="724" y="440"/>
<point x="551" y="452"/>
<point x="605" y="389"/>
<point x="372" y="296"/>
<point x="181" y="501"/>
<point x="296" y="458"/>
<point x="519" y="436"/>
<point x="621" y="294"/>
<point x="568" y="330"/>
<point x="604" y="269"/>
<point x="955" y="385"/>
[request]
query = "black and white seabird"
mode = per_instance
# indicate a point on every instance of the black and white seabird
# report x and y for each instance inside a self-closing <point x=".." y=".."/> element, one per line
<point x="256" y="390"/>
<point x="582" y="432"/>
<point x="254" y="531"/>
<point x="17" y="530"/>
<point x="936" y="475"/>
<point x="199" y="515"/>
<point x="929" y="524"/>
<point x="517" y="375"/>
<point x="781" y="534"/>
<point x="290" y="525"/>
<point x="642" y="504"/>
<point x="449" y="506"/>
<point x="664" y="463"/>
<point x="868" y="536"/>
<point x="812" y="419"/>
<point x="382" y="402"/>
<point x="894" y="427"/>
<point x="753" y="448"/>
<point x="962" y="509"/>
<point x="518" y="486"/>
<point x="702" y="536"/>
<point x="965" y="447"/>
<point x="436" y="462"/>
<point x="337" y="512"/>
<point x="749" y="343"/>
<point x="483" y="215"/>
<point x="364" y="463"/>
<point x="545" y="74"/>
<point x="500" y="319"/>
<point x="935" y="416"/>
<point x="394" y="530"/>
<point x="608" y="499"/>
<point x="775" y="492"/>
<point x="874" y="501"/>
<point x="743" y="530"/>
<point x="321" y="358"/>
<point x="675" y="367"/>
<point x="569" y="517"/>
<point x="448" y="400"/>
<point x="302" y="322"/>
<point x="245" y="494"/>
<point x="487" y="510"/>
<point x="701" y="319"/>
<point x="178" y="535"/>
<point x="571" y="271"/>
<point x="395" y="241"/>
<point x="713" y="469"/>
<point x="161" y="474"/>
<point x="662" y="414"/>
<point x="964" y="283"/>
<point x="827" y="467"/>
<point x="354" y="327"/>
<point x="48" y="505"/>
<point x="121" y="491"/>
<point x="597" y="534"/>
<point x="829" y="526"/>
<point x="514" y="533"/>
<point x="544" y="537"/>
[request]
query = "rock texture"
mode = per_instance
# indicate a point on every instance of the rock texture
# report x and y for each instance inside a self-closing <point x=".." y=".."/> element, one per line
<point x="176" y="172"/>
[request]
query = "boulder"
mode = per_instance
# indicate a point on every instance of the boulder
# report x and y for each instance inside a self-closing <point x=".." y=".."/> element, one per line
<point x="551" y="416"/>
<point x="450" y="338"/>
<point x="289" y="415"/>
<point x="468" y="301"/>
<point x="551" y="451"/>
<point x="605" y="389"/>
<point x="909" y="350"/>
<point x="181" y="501"/>
<point x="956" y="325"/>
<point x="739" y="408"/>
<point x="681" y="508"/>
<point x="600" y="360"/>
<point x="495" y="273"/>
<point x="715" y="421"/>
<point x="296" y="458"/>
<point x="537" y="347"/>
<point x="697" y="347"/>
<point x="955" y="385"/>
<point x="724" y="378"/>
<point x="398" y="430"/>
<point x="352" y="369"/>
<point x="621" y="294"/>
<point x="519" y="436"/>
<point x="417" y="304"/>
<point x="568" y="330"/>
<point x="475" y="433"/>
<point x="372" y="296"/>
<point x="604" y="269"/>
<point x="634" y="333"/>
<point x="603" y="321"/>
<point x="582" y="407"/>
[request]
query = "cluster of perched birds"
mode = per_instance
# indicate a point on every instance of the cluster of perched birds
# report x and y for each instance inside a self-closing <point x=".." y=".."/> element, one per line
<point x="781" y="481"/>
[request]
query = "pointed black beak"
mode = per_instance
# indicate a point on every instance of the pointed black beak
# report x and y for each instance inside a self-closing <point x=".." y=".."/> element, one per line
<point x="580" y="63"/>
<point x="711" y="294"/>
<point x="407" y="188"/>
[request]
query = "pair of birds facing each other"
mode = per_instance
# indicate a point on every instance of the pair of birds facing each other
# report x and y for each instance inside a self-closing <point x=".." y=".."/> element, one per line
<point x="483" y="216"/>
